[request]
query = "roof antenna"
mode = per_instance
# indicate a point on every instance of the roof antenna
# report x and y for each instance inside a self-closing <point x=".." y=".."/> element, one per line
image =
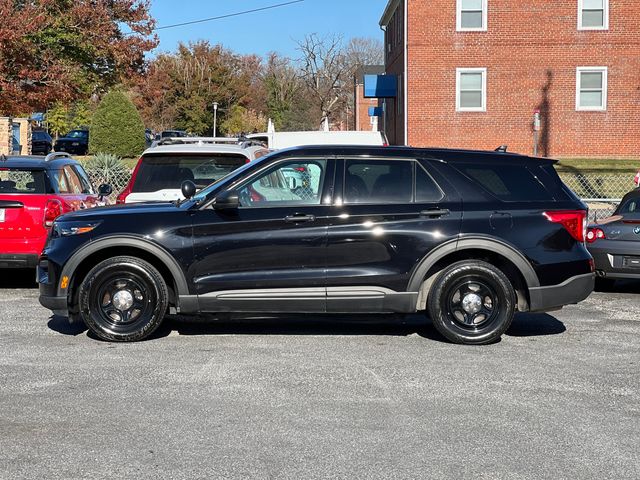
<point x="501" y="149"/>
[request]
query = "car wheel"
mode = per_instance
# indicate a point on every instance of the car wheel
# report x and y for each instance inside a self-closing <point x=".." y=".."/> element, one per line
<point x="472" y="302"/>
<point x="123" y="299"/>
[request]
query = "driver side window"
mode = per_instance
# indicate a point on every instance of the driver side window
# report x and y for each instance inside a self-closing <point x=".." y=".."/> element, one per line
<point x="297" y="182"/>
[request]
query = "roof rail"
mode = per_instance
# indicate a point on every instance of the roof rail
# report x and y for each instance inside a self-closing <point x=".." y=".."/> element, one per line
<point x="55" y="155"/>
<point x="198" y="140"/>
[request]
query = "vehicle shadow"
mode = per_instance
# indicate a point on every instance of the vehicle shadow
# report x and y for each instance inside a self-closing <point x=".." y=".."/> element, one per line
<point x="18" y="278"/>
<point x="620" y="286"/>
<point x="524" y="325"/>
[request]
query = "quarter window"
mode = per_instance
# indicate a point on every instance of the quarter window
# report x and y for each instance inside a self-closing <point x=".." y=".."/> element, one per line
<point x="471" y="89"/>
<point x="593" y="14"/>
<point x="591" y="88"/>
<point x="471" y="15"/>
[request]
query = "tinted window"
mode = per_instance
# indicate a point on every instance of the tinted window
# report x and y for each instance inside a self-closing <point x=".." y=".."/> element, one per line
<point x="168" y="172"/>
<point x="426" y="188"/>
<point x="22" y="181"/>
<point x="511" y="183"/>
<point x="630" y="206"/>
<point x="39" y="135"/>
<point x="290" y="183"/>
<point x="378" y="181"/>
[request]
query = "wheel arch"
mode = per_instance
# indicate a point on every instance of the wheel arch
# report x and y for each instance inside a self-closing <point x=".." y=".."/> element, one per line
<point x="493" y="250"/>
<point x="88" y="256"/>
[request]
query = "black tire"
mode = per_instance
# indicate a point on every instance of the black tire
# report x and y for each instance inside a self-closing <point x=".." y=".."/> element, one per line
<point x="460" y="290"/>
<point x="123" y="299"/>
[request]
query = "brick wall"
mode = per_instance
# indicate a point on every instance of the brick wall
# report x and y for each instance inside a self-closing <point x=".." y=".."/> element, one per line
<point x="362" y="120"/>
<point x="531" y="51"/>
<point x="393" y="121"/>
<point x="5" y="135"/>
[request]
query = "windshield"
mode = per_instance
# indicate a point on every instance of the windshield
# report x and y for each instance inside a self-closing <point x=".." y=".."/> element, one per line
<point x="77" y="134"/>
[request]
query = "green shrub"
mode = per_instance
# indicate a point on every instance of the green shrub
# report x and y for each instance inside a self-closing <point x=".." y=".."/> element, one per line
<point x="116" y="127"/>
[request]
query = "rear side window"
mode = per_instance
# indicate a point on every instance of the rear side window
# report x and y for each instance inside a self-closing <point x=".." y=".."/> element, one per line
<point x="388" y="181"/>
<point x="160" y="172"/>
<point x="22" y="181"/>
<point x="510" y="183"/>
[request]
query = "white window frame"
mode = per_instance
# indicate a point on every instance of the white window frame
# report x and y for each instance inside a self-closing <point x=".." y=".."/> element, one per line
<point x="605" y="81"/>
<point x="459" y="26"/>
<point x="459" y="72"/>
<point x="605" y="16"/>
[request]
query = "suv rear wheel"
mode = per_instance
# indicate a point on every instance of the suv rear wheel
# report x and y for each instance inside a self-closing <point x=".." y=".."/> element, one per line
<point x="472" y="302"/>
<point x="123" y="299"/>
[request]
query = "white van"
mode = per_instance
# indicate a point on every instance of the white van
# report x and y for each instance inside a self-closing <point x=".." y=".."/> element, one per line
<point x="279" y="140"/>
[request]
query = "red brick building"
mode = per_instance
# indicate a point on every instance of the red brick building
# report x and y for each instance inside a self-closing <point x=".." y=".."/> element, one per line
<point x="361" y="120"/>
<point x="474" y="72"/>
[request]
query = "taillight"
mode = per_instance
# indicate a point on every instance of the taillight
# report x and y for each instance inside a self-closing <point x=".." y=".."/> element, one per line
<point x="574" y="221"/>
<point x="52" y="210"/>
<point x="122" y="197"/>
<point x="594" y="234"/>
<point x="636" y="180"/>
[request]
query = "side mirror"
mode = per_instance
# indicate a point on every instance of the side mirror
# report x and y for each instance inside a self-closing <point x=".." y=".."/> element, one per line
<point x="105" y="190"/>
<point x="228" y="200"/>
<point x="188" y="189"/>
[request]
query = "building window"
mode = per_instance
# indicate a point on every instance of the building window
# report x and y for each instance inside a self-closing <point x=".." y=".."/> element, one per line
<point x="471" y="15"/>
<point x="591" y="88"/>
<point x="471" y="89"/>
<point x="593" y="14"/>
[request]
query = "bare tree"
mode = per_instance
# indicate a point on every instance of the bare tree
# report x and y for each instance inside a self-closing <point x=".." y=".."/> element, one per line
<point x="324" y="71"/>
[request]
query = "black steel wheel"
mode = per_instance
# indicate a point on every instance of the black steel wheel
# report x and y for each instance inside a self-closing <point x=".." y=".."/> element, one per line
<point x="472" y="302"/>
<point x="123" y="299"/>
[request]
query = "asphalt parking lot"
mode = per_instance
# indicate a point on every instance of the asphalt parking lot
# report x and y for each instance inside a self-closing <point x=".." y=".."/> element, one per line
<point x="558" y="397"/>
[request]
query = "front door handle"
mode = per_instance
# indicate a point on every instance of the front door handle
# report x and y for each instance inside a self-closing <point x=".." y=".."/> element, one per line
<point x="435" y="212"/>
<point x="299" y="218"/>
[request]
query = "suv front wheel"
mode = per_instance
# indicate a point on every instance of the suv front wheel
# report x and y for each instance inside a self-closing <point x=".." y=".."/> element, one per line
<point x="123" y="299"/>
<point x="471" y="302"/>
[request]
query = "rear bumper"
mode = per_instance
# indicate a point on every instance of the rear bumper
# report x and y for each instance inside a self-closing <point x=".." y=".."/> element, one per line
<point x="616" y="259"/>
<point x="572" y="290"/>
<point x="18" y="260"/>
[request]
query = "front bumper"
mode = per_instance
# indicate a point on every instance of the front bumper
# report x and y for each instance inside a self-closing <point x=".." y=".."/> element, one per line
<point x="616" y="258"/>
<point x="58" y="305"/>
<point x="552" y="297"/>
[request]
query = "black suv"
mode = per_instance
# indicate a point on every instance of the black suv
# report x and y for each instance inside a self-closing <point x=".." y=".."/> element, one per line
<point x="76" y="142"/>
<point x="468" y="236"/>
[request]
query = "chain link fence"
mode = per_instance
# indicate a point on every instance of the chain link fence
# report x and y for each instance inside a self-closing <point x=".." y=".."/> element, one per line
<point x="117" y="179"/>
<point x="601" y="191"/>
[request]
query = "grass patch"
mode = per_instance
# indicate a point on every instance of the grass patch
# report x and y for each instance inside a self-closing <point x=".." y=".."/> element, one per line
<point x="598" y="165"/>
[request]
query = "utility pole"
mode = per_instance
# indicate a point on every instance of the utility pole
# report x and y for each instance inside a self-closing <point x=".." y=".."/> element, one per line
<point x="215" y="118"/>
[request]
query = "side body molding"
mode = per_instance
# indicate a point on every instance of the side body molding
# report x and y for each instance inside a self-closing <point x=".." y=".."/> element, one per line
<point x="172" y="265"/>
<point x="467" y="242"/>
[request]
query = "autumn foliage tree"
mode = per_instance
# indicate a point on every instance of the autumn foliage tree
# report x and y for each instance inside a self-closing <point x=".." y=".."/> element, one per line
<point x="64" y="50"/>
<point x="179" y="88"/>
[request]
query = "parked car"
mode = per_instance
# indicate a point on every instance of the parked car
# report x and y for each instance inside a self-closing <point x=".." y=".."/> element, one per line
<point x="162" y="169"/>
<point x="171" y="134"/>
<point x="468" y="236"/>
<point x="615" y="242"/>
<point x="41" y="142"/>
<point x="34" y="191"/>
<point x="75" y="142"/>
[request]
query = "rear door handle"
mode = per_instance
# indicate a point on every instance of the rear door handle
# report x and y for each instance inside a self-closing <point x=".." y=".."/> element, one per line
<point x="435" y="213"/>
<point x="299" y="218"/>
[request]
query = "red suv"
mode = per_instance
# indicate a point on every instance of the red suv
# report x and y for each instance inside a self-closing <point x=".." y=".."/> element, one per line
<point x="33" y="192"/>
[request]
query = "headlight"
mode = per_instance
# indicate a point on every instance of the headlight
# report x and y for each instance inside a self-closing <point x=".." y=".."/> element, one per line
<point x="67" y="229"/>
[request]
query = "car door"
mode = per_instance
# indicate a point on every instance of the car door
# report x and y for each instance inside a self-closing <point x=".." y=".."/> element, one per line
<point x="269" y="254"/>
<point x="389" y="214"/>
